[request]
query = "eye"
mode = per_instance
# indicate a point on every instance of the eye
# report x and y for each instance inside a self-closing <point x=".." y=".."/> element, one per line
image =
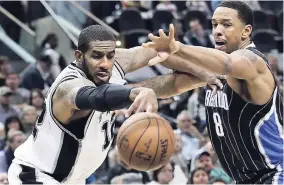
<point x="227" y="25"/>
<point x="214" y="25"/>
<point x="110" y="56"/>
<point x="96" y="57"/>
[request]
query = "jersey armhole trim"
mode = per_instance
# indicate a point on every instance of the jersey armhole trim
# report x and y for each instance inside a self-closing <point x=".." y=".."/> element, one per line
<point x="56" y="121"/>
<point x="120" y="70"/>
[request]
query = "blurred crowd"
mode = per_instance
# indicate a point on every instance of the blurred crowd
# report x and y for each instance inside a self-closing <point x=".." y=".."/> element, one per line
<point x="22" y="95"/>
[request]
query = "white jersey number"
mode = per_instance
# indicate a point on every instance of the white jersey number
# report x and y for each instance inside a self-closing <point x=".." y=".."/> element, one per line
<point x="108" y="130"/>
<point x="218" y="124"/>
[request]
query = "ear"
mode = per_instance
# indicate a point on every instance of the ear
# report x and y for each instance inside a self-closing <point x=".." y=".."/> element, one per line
<point x="79" y="56"/>
<point x="246" y="31"/>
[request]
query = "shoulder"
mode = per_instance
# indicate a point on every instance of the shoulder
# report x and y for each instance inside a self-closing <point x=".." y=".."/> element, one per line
<point x="249" y="57"/>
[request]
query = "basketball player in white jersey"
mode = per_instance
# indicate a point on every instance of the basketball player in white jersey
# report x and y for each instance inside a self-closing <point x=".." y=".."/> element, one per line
<point x="75" y="129"/>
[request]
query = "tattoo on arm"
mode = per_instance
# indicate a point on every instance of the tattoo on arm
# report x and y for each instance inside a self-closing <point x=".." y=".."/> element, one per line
<point x="134" y="58"/>
<point x="163" y="86"/>
<point x="68" y="90"/>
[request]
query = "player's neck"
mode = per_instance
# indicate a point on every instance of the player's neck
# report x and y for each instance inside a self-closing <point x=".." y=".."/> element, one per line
<point x="244" y="44"/>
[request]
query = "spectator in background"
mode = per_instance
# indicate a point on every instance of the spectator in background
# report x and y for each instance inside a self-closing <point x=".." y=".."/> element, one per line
<point x="191" y="138"/>
<point x="4" y="67"/>
<point x="13" y="123"/>
<point x="4" y="178"/>
<point x="196" y="110"/>
<point x="163" y="175"/>
<point x="20" y="96"/>
<point x="197" y="36"/>
<point x="177" y="156"/>
<point x="179" y="34"/>
<point x="37" y="100"/>
<point x="2" y="136"/>
<point x="6" y="108"/>
<point x="198" y="5"/>
<point x="199" y="176"/>
<point x="218" y="182"/>
<point x="204" y="160"/>
<point x="38" y="76"/>
<point x="15" y="139"/>
<point x="29" y="118"/>
<point x="166" y="5"/>
<point x="122" y="168"/>
<point x="129" y="178"/>
<point x="48" y="47"/>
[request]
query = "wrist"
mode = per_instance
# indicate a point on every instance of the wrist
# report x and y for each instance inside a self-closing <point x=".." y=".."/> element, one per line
<point x="133" y="93"/>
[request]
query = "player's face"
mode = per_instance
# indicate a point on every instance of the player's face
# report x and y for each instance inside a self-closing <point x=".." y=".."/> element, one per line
<point x="228" y="30"/>
<point x="200" y="177"/>
<point x="99" y="60"/>
<point x="166" y="174"/>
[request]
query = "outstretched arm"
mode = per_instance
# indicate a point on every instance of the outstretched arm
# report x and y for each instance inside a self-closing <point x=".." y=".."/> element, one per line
<point x="166" y="86"/>
<point x="82" y="94"/>
<point x="241" y="64"/>
<point x="134" y="58"/>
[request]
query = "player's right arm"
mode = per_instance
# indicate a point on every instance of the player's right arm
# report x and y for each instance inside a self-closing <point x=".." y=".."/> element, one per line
<point x="172" y="84"/>
<point x="82" y="94"/>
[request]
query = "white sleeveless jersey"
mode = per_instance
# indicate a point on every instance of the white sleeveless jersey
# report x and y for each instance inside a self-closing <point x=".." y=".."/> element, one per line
<point x="69" y="153"/>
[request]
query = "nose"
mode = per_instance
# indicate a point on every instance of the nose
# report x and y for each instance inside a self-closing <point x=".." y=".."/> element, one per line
<point x="218" y="31"/>
<point x="105" y="63"/>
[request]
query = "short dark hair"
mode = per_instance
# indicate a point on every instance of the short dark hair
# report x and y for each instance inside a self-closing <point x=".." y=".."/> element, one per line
<point x="190" y="180"/>
<point x="157" y="171"/>
<point x="93" y="33"/>
<point x="245" y="13"/>
<point x="9" y="120"/>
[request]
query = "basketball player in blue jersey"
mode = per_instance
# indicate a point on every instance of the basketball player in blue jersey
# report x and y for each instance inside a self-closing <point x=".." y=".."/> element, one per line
<point x="74" y="132"/>
<point x="245" y="118"/>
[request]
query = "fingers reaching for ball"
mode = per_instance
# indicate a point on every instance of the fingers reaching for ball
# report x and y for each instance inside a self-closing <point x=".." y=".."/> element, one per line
<point x="145" y="100"/>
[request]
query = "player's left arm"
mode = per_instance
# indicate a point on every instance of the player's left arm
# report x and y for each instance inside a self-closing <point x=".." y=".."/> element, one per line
<point x="133" y="58"/>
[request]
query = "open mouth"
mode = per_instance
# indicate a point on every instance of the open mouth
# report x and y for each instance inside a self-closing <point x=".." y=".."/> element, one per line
<point x="220" y="45"/>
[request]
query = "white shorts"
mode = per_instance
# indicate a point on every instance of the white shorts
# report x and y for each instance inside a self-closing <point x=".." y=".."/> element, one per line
<point x="21" y="174"/>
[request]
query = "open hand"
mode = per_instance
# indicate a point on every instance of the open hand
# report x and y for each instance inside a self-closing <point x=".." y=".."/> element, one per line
<point x="164" y="45"/>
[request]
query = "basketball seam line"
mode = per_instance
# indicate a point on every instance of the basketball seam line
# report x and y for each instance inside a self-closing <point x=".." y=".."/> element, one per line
<point x="169" y="134"/>
<point x="128" y="127"/>
<point x="157" y="144"/>
<point x="137" y="143"/>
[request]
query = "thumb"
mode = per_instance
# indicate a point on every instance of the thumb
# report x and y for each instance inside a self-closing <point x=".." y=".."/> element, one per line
<point x="162" y="56"/>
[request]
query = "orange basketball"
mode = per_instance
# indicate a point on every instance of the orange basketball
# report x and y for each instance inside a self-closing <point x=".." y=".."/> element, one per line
<point x="145" y="141"/>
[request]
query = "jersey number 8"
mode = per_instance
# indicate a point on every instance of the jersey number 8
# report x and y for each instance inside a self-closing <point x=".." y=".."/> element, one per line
<point x="218" y="124"/>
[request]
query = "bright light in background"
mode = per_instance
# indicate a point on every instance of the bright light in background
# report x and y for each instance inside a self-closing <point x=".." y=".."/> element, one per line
<point x="118" y="43"/>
